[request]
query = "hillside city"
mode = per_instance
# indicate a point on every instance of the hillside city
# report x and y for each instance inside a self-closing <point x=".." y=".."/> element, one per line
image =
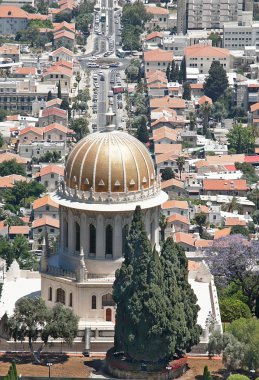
<point x="129" y="189"/>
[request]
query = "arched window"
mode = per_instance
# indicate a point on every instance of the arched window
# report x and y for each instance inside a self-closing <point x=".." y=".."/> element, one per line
<point x="125" y="232"/>
<point x="92" y="238"/>
<point x="61" y="296"/>
<point x="109" y="240"/>
<point x="93" y="302"/>
<point x="77" y="228"/>
<point x="108" y="315"/>
<point x="65" y="231"/>
<point x="107" y="300"/>
<point x="50" y="294"/>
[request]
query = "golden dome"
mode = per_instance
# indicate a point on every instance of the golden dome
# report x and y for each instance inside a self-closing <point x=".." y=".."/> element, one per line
<point x="109" y="162"/>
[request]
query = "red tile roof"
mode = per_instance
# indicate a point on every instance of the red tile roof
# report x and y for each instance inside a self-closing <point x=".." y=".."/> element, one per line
<point x="205" y="99"/>
<point x="167" y="101"/>
<point x="19" y="230"/>
<point x="234" y="221"/>
<point x="11" y="156"/>
<point x="225" y="184"/>
<point x="25" y="70"/>
<point x="158" y="55"/>
<point x="62" y="50"/>
<point x="166" y="148"/>
<point x="254" y="107"/>
<point x="175" y="204"/>
<point x="172" y="182"/>
<point x="50" y="169"/>
<point x="154" y="35"/>
<point x="196" y="51"/>
<point x="9" y="180"/>
<point x="46" y="200"/>
<point x="157" y="10"/>
<point x="64" y="33"/>
<point x="47" y="220"/>
<point x="177" y="218"/>
<point x="252" y="159"/>
<point x="9" y="49"/>
<point x="54" y="111"/>
<point x="222" y="233"/>
<point x="57" y="126"/>
<point x="10" y="11"/>
<point x="36" y="130"/>
<point x="53" y="102"/>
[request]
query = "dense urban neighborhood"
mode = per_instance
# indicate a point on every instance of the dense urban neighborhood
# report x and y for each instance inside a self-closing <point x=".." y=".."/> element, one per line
<point x="129" y="189"/>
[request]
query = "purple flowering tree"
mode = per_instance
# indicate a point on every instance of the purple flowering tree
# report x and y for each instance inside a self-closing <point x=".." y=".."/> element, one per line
<point x="236" y="259"/>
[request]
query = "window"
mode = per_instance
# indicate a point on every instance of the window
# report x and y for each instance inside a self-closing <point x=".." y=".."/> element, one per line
<point x="60" y="137"/>
<point x="107" y="300"/>
<point x="77" y="228"/>
<point x="47" y="208"/>
<point x="70" y="299"/>
<point x="52" y="175"/>
<point x="93" y="302"/>
<point x="52" y="230"/>
<point x="108" y="240"/>
<point x="50" y="294"/>
<point x="92" y="238"/>
<point x="61" y="296"/>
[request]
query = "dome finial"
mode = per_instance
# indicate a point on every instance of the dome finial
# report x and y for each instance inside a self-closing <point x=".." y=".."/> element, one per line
<point x="110" y="126"/>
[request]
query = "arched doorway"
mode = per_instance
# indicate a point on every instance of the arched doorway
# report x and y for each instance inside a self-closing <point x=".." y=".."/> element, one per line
<point x="108" y="315"/>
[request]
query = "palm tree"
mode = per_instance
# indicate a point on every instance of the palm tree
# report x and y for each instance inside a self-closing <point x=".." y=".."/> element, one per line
<point x="162" y="225"/>
<point x="78" y="79"/>
<point x="232" y="205"/>
<point x="180" y="164"/>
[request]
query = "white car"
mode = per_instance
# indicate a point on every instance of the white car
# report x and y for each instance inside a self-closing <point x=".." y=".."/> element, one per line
<point x="100" y="73"/>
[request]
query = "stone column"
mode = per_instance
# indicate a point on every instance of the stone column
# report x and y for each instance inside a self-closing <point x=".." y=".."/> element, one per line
<point x="83" y="232"/>
<point x="86" y="232"/>
<point x="71" y="238"/>
<point x="117" y="237"/>
<point x="147" y="223"/>
<point x="61" y="229"/>
<point x="100" y="237"/>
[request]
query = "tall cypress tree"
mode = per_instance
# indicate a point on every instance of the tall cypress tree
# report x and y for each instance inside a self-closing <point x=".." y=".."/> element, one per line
<point x="172" y="72"/>
<point x="176" y="72"/>
<point x="59" y="90"/>
<point x="168" y="72"/>
<point x="180" y="295"/>
<point x="141" y="328"/>
<point x="182" y="72"/>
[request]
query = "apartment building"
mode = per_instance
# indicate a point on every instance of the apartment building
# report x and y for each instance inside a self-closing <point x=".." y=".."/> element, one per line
<point x="18" y="94"/>
<point x="160" y="17"/>
<point x="209" y="14"/>
<point x="157" y="59"/>
<point x="12" y="19"/>
<point x="10" y="53"/>
<point x="177" y="43"/>
<point x="237" y="36"/>
<point x="201" y="57"/>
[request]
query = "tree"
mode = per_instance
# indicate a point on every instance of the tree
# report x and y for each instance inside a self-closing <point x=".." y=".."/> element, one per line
<point x="232" y="206"/>
<point x="141" y="316"/>
<point x="22" y="254"/>
<point x="59" y="90"/>
<point x="29" y="9"/>
<point x="215" y="38"/>
<point x="205" y="112"/>
<point x="168" y="69"/>
<point x="241" y="139"/>
<point x="241" y="230"/>
<point x="54" y="156"/>
<point x="32" y="319"/>
<point x="132" y="72"/>
<point x="6" y="251"/>
<point x="23" y="193"/>
<point x="182" y="71"/>
<point x="80" y="127"/>
<point x="206" y="374"/>
<point x="11" y="167"/>
<point x="216" y="82"/>
<point x="193" y="121"/>
<point x="14" y="220"/>
<point x="167" y="174"/>
<point x="185" y="333"/>
<point x="255" y="217"/>
<point x="200" y="220"/>
<point x="233" y="259"/>
<point x="249" y="173"/>
<point x="162" y="225"/>
<point x="238" y="377"/>
<point x="187" y="91"/>
<point x="180" y="162"/>
<point x="49" y="97"/>
<point x="65" y="106"/>
<point x="3" y="114"/>
<point x="173" y="72"/>
<point x="232" y="309"/>
<point x="142" y="132"/>
<point x="78" y="79"/>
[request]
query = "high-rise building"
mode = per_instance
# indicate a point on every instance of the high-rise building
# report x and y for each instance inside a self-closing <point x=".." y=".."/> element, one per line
<point x="209" y="14"/>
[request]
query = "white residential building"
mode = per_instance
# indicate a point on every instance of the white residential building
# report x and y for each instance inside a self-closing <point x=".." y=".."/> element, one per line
<point x="237" y="36"/>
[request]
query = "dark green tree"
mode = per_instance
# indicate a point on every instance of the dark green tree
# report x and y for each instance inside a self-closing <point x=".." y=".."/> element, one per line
<point x="142" y="132"/>
<point x="176" y="72"/>
<point x="168" y="69"/>
<point x="59" y="90"/>
<point x="141" y="328"/>
<point x="232" y="309"/>
<point x="173" y="72"/>
<point x="206" y="374"/>
<point x="80" y="127"/>
<point x="187" y="93"/>
<point x="182" y="71"/>
<point x="167" y="173"/>
<point x="49" y="97"/>
<point x="180" y="164"/>
<point x="3" y="114"/>
<point x="6" y="251"/>
<point x="239" y="230"/>
<point x="241" y="139"/>
<point x="162" y="225"/>
<point x="65" y="106"/>
<point x="200" y="220"/>
<point x="11" y="167"/>
<point x="216" y="82"/>
<point x="184" y="312"/>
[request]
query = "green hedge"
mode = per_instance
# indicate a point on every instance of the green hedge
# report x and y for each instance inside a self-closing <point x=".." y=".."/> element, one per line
<point x="238" y="377"/>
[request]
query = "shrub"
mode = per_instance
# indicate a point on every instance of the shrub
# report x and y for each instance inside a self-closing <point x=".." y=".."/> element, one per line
<point x="238" y="377"/>
<point x="232" y="309"/>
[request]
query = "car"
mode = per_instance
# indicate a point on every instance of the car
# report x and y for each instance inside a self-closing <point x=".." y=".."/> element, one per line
<point x="114" y="64"/>
<point x="100" y="73"/>
<point x="96" y="85"/>
<point x="106" y="54"/>
<point x="119" y="97"/>
<point x="102" y="79"/>
<point x="99" y="33"/>
<point x="105" y="67"/>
